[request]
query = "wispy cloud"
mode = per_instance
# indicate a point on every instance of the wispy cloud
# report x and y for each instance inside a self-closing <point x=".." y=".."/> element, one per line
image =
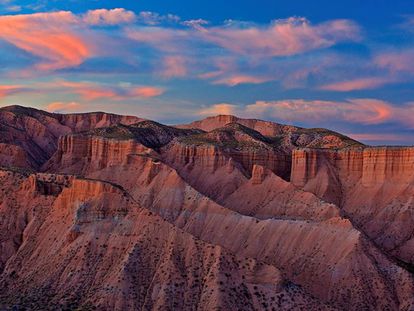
<point x="255" y="45"/>
<point x="237" y="79"/>
<point x="282" y="38"/>
<point x="9" y="6"/>
<point x="7" y="90"/>
<point x="358" y="111"/>
<point x="377" y="137"/>
<point x="357" y="84"/>
<point x="366" y="111"/>
<point x="93" y="91"/>
<point x="153" y="18"/>
<point x="396" y="61"/>
<point x="63" y="107"/>
<point x="48" y="37"/>
<point x="217" y="109"/>
<point x="109" y="17"/>
<point x="292" y="52"/>
<point x="173" y="66"/>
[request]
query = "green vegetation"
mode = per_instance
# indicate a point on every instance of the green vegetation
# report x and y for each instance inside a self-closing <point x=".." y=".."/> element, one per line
<point x="347" y="141"/>
<point x="119" y="132"/>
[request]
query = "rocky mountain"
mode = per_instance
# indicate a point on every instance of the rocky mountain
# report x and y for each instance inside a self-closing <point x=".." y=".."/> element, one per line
<point x="121" y="213"/>
<point x="28" y="137"/>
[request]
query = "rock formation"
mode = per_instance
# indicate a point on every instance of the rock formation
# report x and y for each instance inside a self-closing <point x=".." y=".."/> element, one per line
<point x="373" y="186"/>
<point x="31" y="135"/>
<point x="121" y="213"/>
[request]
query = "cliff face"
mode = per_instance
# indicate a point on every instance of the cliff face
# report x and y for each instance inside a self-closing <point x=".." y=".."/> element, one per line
<point x="234" y="141"/>
<point x="36" y="132"/>
<point x="76" y="153"/>
<point x="372" y="185"/>
<point x="118" y="256"/>
<point x="391" y="165"/>
<point x="266" y="208"/>
<point x="207" y="168"/>
<point x="87" y="121"/>
<point x="150" y="213"/>
<point x="373" y="166"/>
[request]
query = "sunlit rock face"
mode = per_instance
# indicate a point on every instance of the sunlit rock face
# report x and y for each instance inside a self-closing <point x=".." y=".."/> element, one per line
<point x="121" y="213"/>
<point x="372" y="185"/>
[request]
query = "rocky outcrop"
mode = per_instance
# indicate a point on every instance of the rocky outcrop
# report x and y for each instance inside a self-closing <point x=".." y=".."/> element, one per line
<point x="13" y="155"/>
<point x="372" y="165"/>
<point x="287" y="137"/>
<point x="234" y="141"/>
<point x="264" y="127"/>
<point x="36" y="132"/>
<point x="131" y="216"/>
<point x="76" y="154"/>
<point x="108" y="253"/>
<point x="297" y="227"/>
<point x="373" y="186"/>
<point x="206" y="167"/>
<point x="267" y="196"/>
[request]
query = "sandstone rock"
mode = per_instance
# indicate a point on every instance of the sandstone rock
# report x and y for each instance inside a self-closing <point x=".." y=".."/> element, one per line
<point x="373" y="186"/>
<point x="230" y="216"/>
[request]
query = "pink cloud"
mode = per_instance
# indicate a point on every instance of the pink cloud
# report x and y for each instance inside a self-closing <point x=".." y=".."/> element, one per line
<point x="250" y="47"/>
<point x="88" y="90"/>
<point x="241" y="79"/>
<point x="174" y="66"/>
<point x="222" y="66"/>
<point x="368" y="111"/>
<point x="405" y="114"/>
<point x="161" y="38"/>
<point x="217" y="109"/>
<point x="7" y="90"/>
<point x="401" y="61"/>
<point x="146" y="91"/>
<point x="109" y="17"/>
<point x="47" y="36"/>
<point x="93" y="91"/>
<point x="364" y="111"/>
<point x="283" y="37"/>
<point x="356" y="84"/>
<point x="63" y="107"/>
<point x="375" y="137"/>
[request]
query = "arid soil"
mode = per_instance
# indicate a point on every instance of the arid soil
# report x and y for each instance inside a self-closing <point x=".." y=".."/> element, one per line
<point x="107" y="212"/>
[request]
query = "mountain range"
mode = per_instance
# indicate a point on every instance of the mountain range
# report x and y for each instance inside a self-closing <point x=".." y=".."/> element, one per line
<point x="107" y="212"/>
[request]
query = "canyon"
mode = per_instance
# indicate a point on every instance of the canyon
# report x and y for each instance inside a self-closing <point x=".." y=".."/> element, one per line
<point x="109" y="212"/>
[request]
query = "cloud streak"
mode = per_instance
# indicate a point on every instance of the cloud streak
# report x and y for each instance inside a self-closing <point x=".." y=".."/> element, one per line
<point x="109" y="17"/>
<point x="357" y="84"/>
<point x="254" y="45"/>
<point x="93" y="91"/>
<point x="63" y="107"/>
<point x="396" y="61"/>
<point x="48" y="37"/>
<point x="283" y="37"/>
<point x="357" y="111"/>
<point x="174" y="66"/>
<point x="238" y="79"/>
<point x="7" y="90"/>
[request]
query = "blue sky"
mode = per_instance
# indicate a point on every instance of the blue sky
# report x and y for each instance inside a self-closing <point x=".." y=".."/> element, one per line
<point x="346" y="65"/>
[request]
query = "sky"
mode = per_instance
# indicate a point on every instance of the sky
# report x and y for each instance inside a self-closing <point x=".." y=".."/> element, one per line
<point x="343" y="65"/>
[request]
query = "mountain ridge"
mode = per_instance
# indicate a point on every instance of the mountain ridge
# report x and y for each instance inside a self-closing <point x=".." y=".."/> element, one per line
<point x="125" y="215"/>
